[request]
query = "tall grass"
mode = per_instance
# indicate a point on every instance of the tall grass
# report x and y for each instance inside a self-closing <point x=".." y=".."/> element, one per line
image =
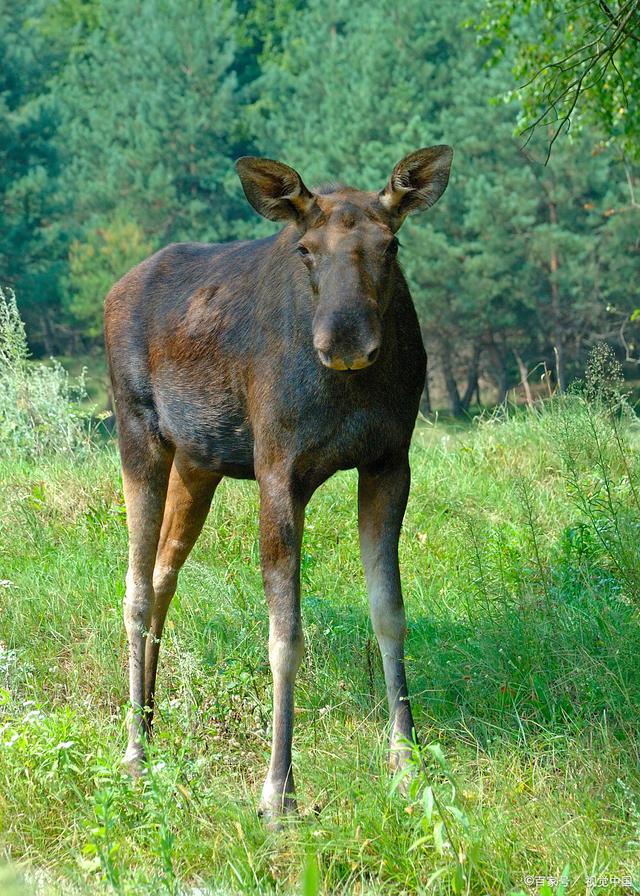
<point x="522" y="584"/>
<point x="39" y="404"/>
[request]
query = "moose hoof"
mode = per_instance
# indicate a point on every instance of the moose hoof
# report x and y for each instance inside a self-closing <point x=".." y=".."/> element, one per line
<point x="402" y="766"/>
<point x="133" y="761"/>
<point x="275" y="807"/>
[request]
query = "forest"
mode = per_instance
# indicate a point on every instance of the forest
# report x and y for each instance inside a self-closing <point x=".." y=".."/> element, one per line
<point x="122" y="120"/>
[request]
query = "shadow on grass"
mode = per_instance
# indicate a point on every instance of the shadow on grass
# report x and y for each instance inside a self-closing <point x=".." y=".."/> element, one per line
<point x="560" y="659"/>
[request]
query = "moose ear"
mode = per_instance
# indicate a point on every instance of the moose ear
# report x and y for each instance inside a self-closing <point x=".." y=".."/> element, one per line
<point x="418" y="181"/>
<point x="273" y="189"/>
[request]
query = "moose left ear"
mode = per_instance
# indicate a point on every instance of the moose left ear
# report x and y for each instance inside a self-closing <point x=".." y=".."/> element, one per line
<point x="417" y="182"/>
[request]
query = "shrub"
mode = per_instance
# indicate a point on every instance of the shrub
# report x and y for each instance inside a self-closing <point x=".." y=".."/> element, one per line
<point x="39" y="404"/>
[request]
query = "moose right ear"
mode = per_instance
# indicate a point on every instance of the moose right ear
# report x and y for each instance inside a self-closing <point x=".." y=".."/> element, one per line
<point x="273" y="189"/>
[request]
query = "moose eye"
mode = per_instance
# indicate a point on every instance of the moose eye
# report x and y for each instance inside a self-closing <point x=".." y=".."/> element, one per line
<point x="302" y="251"/>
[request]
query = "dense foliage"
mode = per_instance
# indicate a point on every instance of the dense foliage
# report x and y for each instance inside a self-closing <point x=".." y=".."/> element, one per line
<point x="121" y="122"/>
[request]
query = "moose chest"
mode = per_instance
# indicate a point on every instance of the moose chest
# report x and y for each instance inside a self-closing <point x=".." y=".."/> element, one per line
<point x="324" y="423"/>
<point x="330" y="421"/>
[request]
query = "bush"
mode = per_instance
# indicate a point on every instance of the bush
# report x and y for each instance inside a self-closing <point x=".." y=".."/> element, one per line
<point x="39" y="404"/>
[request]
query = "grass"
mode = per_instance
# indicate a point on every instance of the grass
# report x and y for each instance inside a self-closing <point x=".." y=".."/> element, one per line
<point x="522" y="583"/>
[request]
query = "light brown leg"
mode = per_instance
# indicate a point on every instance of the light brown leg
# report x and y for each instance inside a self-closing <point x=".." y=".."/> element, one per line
<point x="382" y="498"/>
<point x="145" y="474"/>
<point x="188" y="501"/>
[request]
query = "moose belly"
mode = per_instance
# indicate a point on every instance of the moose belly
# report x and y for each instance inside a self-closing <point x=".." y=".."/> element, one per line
<point x="215" y="435"/>
<point x="212" y="428"/>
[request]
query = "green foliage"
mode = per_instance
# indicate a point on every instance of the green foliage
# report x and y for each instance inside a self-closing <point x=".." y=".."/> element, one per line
<point x="445" y="826"/>
<point x="150" y="118"/>
<point x="10" y="883"/>
<point x="579" y="63"/>
<point x="95" y="264"/>
<point x="39" y="411"/>
<point x="311" y="877"/>
<point x="32" y="230"/>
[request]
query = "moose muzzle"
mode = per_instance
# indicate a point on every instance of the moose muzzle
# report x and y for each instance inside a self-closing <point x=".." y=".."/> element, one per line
<point x="348" y="340"/>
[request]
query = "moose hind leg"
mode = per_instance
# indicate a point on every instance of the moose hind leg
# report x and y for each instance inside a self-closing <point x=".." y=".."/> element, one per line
<point x="145" y="473"/>
<point x="188" y="501"/>
<point x="382" y="499"/>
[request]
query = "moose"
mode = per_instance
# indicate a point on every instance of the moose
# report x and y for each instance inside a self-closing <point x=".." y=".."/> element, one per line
<point x="284" y="360"/>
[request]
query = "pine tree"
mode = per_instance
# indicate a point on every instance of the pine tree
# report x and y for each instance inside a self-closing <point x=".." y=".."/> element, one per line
<point x="150" y="111"/>
<point x="32" y="237"/>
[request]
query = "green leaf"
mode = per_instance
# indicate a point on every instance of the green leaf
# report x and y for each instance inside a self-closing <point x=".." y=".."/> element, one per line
<point x="564" y="881"/>
<point x="311" y="876"/>
<point x="458" y="881"/>
<point x="438" y="755"/>
<point x="459" y="815"/>
<point x="435" y="876"/>
<point x="427" y="801"/>
<point x="420" y="842"/>
<point x="438" y="837"/>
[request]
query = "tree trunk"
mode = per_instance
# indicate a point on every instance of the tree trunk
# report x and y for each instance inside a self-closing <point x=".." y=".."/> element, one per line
<point x="503" y="382"/>
<point x="524" y="378"/>
<point x="500" y="371"/>
<point x="425" y="401"/>
<point x="450" y="380"/>
<point x="472" y="379"/>
<point x="558" y="336"/>
<point x="48" y="335"/>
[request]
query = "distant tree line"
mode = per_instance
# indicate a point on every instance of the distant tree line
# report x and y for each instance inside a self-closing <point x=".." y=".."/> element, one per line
<point x="121" y="120"/>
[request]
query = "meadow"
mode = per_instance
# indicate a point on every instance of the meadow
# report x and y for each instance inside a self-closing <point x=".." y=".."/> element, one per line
<point x="522" y="581"/>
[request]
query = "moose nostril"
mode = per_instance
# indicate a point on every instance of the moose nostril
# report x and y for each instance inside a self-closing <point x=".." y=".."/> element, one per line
<point x="371" y="357"/>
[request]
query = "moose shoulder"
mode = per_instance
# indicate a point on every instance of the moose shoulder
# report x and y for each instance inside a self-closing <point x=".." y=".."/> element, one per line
<point x="282" y="359"/>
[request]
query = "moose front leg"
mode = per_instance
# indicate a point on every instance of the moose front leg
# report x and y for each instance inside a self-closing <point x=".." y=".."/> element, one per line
<point x="281" y="525"/>
<point x="382" y="499"/>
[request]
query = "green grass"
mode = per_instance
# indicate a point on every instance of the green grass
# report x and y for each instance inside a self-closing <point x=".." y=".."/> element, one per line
<point x="521" y="574"/>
